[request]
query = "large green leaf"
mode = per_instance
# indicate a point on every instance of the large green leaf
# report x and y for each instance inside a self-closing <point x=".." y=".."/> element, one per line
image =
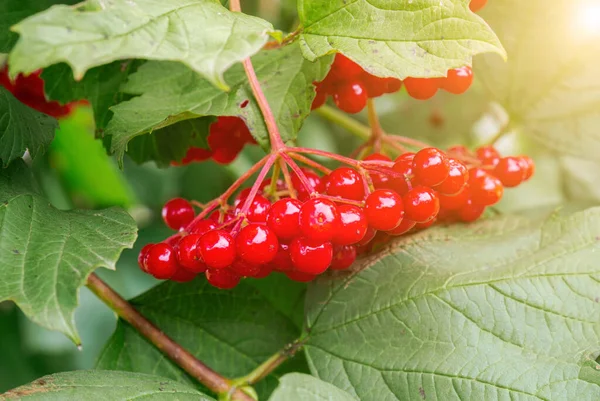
<point x="202" y="34"/>
<point x="101" y="86"/>
<point x="171" y="92"/>
<point x="231" y="331"/>
<point x="13" y="11"/>
<point x="22" y="128"/>
<point x="420" y="38"/>
<point x="504" y="309"/>
<point x="300" y="387"/>
<point x="96" y="385"/>
<point x="550" y="85"/>
<point x="47" y="254"/>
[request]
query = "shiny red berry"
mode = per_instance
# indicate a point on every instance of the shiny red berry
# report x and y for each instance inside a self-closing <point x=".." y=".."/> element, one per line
<point x="405" y="226"/>
<point x="142" y="257"/>
<point x="454" y="202"/>
<point x="528" y="166"/>
<point x="353" y="225"/>
<point x="347" y="183"/>
<point x="350" y="96"/>
<point x="183" y="276"/>
<point x="258" y="211"/>
<point x="458" y="80"/>
<point x="403" y="165"/>
<point x="313" y="179"/>
<point x="488" y="155"/>
<point x="177" y="213"/>
<point x="485" y="189"/>
<point x="509" y="171"/>
<point x="470" y="211"/>
<point x="201" y="227"/>
<point x="282" y="261"/>
<point x="458" y="175"/>
<point x="283" y="218"/>
<point x="319" y="219"/>
<point x="380" y="180"/>
<point x="224" y="279"/>
<point x="421" y="88"/>
<point x="245" y="269"/>
<point x="256" y="244"/>
<point x="161" y="261"/>
<point x="217" y="249"/>
<point x="311" y="256"/>
<point x="343" y="257"/>
<point x="421" y="204"/>
<point x="188" y="255"/>
<point x="430" y="167"/>
<point x="300" y="277"/>
<point x="384" y="209"/>
<point x="369" y="235"/>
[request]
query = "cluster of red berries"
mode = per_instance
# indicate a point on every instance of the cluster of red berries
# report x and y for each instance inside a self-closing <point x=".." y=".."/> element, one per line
<point x="30" y="91"/>
<point x="351" y="86"/>
<point x="226" y="139"/>
<point x="333" y="218"/>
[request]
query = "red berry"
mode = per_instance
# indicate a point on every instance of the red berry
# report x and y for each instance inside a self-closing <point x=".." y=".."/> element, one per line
<point x="256" y="244"/>
<point x="259" y="208"/>
<point x="224" y="279"/>
<point x="160" y="261"/>
<point x="421" y="88"/>
<point x="221" y="217"/>
<point x="485" y="189"/>
<point x="458" y="176"/>
<point x="470" y="212"/>
<point x="311" y="256"/>
<point x="403" y="165"/>
<point x="430" y="167"/>
<point x="177" y="213"/>
<point x="454" y="202"/>
<point x="347" y="67"/>
<point x="384" y="209"/>
<point x="369" y="235"/>
<point x="343" y="257"/>
<point x="509" y="171"/>
<point x="283" y="218"/>
<point x="217" y="249"/>
<point x="353" y="225"/>
<point x="476" y="5"/>
<point x="458" y="80"/>
<point x="380" y="180"/>
<point x="427" y="224"/>
<point x="183" y="276"/>
<point x="282" y="261"/>
<point x="188" y="255"/>
<point x="201" y="227"/>
<point x="245" y="269"/>
<point x="320" y="97"/>
<point x="347" y="183"/>
<point x="421" y="204"/>
<point x="458" y="150"/>
<point x="528" y="166"/>
<point x="404" y="227"/>
<point x="300" y="276"/>
<point x="488" y="155"/>
<point x="350" y="96"/>
<point x="142" y="257"/>
<point x="319" y="219"/>
<point x="314" y="181"/>
<point x="264" y="271"/>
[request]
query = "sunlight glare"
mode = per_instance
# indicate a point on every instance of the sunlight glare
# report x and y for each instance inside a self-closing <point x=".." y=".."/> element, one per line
<point x="588" y="18"/>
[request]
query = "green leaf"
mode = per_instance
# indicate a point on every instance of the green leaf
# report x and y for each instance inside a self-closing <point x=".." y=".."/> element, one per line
<point x="103" y="385"/>
<point x="22" y="128"/>
<point x="231" y="331"/>
<point x="101" y="86"/>
<point x="13" y="11"/>
<point x="202" y="34"/>
<point x="550" y="85"/>
<point x="300" y="387"/>
<point x="170" y="143"/>
<point x="421" y="38"/>
<point x="46" y="254"/>
<point x="503" y="309"/>
<point x="170" y="92"/>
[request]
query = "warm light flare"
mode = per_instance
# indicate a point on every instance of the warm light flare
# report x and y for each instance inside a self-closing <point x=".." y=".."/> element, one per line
<point x="588" y="18"/>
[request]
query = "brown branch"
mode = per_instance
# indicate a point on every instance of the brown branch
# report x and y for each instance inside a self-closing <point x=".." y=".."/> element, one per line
<point x="175" y="352"/>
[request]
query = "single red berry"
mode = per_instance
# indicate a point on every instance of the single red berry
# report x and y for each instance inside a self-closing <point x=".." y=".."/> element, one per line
<point x="485" y="189"/>
<point x="353" y="225"/>
<point x="160" y="261"/>
<point x="458" y="151"/>
<point x="301" y="277"/>
<point x="201" y="227"/>
<point x="405" y="226"/>
<point x="350" y="96"/>
<point x="470" y="212"/>
<point x="259" y="208"/>
<point x="283" y="218"/>
<point x="319" y="219"/>
<point x="241" y="197"/>
<point x="392" y="85"/>
<point x="311" y="256"/>
<point x="509" y="171"/>
<point x="142" y="257"/>
<point x="183" y="276"/>
<point x="343" y="257"/>
<point x="454" y="202"/>
<point x="266" y="184"/>
<point x="265" y="271"/>
<point x="458" y="80"/>
<point x="224" y="279"/>
<point x="427" y="224"/>
<point x="430" y="167"/>
<point x="458" y="175"/>
<point x="369" y="235"/>
<point x="320" y="97"/>
<point x="256" y="244"/>
<point x="421" y="88"/>
<point x="177" y="213"/>
<point x="403" y="165"/>
<point x="347" y="67"/>
<point x="313" y="179"/>
<point x="384" y="209"/>
<point x="528" y="166"/>
<point x="245" y="269"/>
<point x="282" y="261"/>
<point x="380" y="180"/>
<point x="217" y="249"/>
<point x="476" y="5"/>
<point x="188" y="255"/>
<point x="421" y="204"/>
<point x="488" y="155"/>
<point x="347" y="183"/>
<point x="221" y="217"/>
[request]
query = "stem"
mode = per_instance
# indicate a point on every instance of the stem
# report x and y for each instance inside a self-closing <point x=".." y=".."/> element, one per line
<point x="376" y="132"/>
<point x="408" y="141"/>
<point x="288" y="179"/>
<point x="268" y="366"/>
<point x="353" y="126"/>
<point x="339" y="158"/>
<point x="310" y="163"/>
<point x="301" y="176"/>
<point x="166" y="345"/>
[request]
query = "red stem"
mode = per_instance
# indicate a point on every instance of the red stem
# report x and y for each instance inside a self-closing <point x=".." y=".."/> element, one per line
<point x="301" y="176"/>
<point x="341" y="159"/>
<point x="310" y="162"/>
<point x="288" y="179"/>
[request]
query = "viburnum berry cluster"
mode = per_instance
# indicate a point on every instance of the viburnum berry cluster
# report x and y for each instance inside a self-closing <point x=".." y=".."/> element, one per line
<point x="29" y="89"/>
<point x="226" y="139"/>
<point x="317" y="219"/>
<point x="351" y="86"/>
